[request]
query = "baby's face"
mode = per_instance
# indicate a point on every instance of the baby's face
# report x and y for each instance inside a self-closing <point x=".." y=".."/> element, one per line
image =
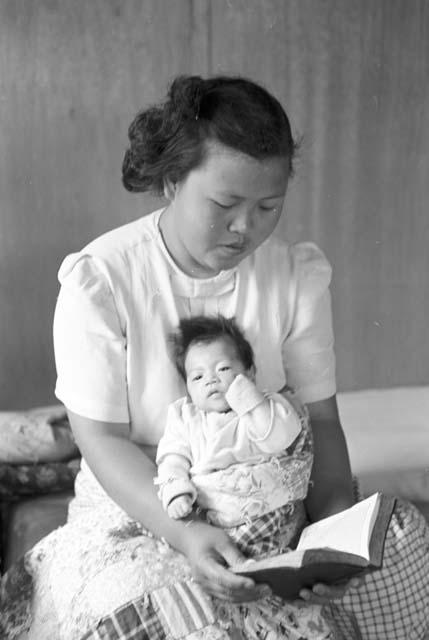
<point x="210" y="369"/>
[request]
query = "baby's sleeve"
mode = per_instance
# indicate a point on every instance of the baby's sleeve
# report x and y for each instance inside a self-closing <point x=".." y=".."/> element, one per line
<point x="308" y="350"/>
<point x="176" y="437"/>
<point x="89" y="343"/>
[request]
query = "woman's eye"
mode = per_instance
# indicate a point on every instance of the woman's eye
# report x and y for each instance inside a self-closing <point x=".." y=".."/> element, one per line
<point x="268" y="209"/>
<point x="223" y="206"/>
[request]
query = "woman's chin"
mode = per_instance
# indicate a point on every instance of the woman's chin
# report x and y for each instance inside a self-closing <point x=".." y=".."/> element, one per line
<point x="214" y="263"/>
<point x="227" y="261"/>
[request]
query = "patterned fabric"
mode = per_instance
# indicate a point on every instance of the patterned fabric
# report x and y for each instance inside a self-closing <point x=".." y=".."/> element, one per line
<point x="272" y="533"/>
<point x="192" y="618"/>
<point x="170" y="612"/>
<point x="33" y="479"/>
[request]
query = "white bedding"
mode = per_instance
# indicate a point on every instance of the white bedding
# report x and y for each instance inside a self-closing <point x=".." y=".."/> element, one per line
<point x="387" y="432"/>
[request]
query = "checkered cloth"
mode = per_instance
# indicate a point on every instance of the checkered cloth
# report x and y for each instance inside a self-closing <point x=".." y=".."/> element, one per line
<point x="393" y="604"/>
<point x="174" y="611"/>
<point x="274" y="532"/>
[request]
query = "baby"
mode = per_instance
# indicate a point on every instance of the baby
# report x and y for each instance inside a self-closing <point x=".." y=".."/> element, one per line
<point x="225" y="445"/>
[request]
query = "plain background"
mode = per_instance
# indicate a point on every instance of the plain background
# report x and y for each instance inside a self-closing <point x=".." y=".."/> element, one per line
<point x="354" y="78"/>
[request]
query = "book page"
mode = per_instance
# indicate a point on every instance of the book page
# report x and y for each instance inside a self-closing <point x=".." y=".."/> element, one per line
<point x="348" y="531"/>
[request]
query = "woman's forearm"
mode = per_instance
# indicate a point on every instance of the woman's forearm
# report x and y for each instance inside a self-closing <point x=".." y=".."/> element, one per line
<point x="331" y="485"/>
<point x="126" y="473"/>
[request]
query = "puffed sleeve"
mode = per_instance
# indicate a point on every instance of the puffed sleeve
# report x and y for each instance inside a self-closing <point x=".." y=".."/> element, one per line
<point x="89" y="343"/>
<point x="308" y="351"/>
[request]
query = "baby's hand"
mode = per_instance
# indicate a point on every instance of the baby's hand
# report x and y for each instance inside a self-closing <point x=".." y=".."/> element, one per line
<point x="180" y="507"/>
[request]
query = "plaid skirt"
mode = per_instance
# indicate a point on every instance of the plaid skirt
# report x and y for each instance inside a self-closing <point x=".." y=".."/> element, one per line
<point x="102" y="576"/>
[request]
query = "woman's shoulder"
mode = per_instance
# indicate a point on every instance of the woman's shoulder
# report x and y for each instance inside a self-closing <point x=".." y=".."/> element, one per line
<point x="303" y="259"/>
<point x="110" y="256"/>
<point x="125" y="238"/>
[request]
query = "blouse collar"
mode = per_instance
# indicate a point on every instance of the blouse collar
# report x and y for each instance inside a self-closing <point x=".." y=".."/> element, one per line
<point x="186" y="286"/>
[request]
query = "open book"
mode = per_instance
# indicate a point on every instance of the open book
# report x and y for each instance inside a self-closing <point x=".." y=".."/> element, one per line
<point x="329" y="550"/>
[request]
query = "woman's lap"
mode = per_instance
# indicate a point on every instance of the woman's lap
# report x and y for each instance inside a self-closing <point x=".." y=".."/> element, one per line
<point x="94" y="570"/>
<point x="103" y="576"/>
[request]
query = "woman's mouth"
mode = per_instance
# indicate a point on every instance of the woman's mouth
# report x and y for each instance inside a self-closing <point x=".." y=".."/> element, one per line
<point x="236" y="247"/>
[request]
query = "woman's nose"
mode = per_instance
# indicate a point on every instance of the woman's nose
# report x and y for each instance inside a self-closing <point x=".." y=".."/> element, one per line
<point x="242" y="221"/>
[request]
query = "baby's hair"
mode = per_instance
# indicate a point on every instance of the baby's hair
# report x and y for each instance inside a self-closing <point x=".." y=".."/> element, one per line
<point x="208" y="329"/>
<point x="168" y="140"/>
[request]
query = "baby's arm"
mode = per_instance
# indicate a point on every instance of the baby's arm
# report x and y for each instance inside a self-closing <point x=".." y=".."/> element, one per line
<point x="176" y="490"/>
<point x="173" y="458"/>
<point x="271" y="422"/>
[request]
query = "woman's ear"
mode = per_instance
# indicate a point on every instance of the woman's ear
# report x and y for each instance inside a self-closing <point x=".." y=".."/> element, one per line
<point x="169" y="189"/>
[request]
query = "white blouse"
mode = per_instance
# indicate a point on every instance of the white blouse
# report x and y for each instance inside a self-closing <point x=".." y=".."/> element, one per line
<point x="122" y="295"/>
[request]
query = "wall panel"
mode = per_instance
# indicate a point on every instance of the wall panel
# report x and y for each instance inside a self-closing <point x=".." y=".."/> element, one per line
<point x="72" y="76"/>
<point x="354" y="79"/>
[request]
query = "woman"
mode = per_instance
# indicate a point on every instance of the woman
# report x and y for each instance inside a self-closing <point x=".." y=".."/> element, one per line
<point x="221" y="151"/>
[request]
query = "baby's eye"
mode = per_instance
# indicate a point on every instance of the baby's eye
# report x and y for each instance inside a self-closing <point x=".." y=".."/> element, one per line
<point x="197" y="377"/>
<point x="224" y="368"/>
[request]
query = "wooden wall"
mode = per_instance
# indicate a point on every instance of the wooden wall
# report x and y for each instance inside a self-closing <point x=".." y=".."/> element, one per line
<point x="353" y="76"/>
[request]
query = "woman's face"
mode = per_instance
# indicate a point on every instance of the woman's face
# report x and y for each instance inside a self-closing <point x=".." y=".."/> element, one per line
<point x="223" y="210"/>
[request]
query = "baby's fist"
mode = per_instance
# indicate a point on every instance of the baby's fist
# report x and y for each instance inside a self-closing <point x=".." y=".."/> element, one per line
<point x="180" y="507"/>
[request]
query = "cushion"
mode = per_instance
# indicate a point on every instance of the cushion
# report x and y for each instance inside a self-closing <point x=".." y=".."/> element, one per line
<point x="31" y="479"/>
<point x="38" y="455"/>
<point x="30" y="520"/>
<point x="37" y="435"/>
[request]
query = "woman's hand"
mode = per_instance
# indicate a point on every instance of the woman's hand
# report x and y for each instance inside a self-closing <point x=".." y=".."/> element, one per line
<point x="210" y="551"/>
<point x="323" y="593"/>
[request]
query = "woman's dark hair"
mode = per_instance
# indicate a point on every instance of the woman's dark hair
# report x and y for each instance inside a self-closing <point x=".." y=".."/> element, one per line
<point x="167" y="141"/>
<point x="208" y="329"/>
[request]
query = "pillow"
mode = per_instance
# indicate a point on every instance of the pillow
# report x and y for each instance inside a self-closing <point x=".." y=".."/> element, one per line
<point x="31" y="479"/>
<point x="37" y="435"/>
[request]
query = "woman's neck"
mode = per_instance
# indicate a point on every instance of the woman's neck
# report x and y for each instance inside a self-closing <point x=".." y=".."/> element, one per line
<point x="177" y="252"/>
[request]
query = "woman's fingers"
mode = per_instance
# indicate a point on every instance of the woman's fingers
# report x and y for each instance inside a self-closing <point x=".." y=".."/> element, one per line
<point x="226" y="585"/>
<point x="323" y="593"/>
<point x="230" y="553"/>
<point x="222" y="583"/>
<point x="210" y="552"/>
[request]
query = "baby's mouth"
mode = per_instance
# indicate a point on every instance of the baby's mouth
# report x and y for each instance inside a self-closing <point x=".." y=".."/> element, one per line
<point x="215" y="392"/>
